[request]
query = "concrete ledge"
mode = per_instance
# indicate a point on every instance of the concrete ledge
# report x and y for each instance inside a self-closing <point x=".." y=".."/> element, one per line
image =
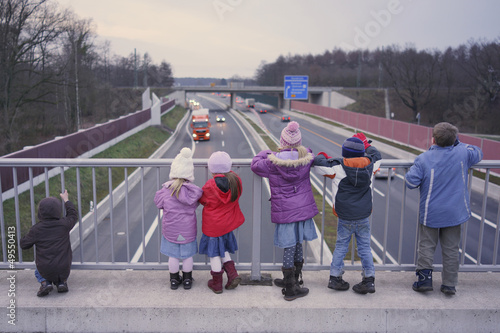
<point x="142" y="301"/>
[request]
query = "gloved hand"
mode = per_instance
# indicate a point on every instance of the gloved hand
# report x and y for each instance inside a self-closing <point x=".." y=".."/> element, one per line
<point x="324" y="154"/>
<point x="363" y="138"/>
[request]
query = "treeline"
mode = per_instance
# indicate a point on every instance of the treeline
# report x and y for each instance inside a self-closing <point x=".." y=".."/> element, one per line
<point x="459" y="85"/>
<point x="56" y="78"/>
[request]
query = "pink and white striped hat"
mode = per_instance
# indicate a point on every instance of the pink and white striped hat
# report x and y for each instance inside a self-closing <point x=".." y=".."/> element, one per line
<point x="290" y="135"/>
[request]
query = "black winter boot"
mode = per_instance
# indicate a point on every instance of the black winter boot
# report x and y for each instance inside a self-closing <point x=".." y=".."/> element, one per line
<point x="298" y="275"/>
<point x="292" y="289"/>
<point x="367" y="285"/>
<point x="187" y="279"/>
<point x="175" y="280"/>
<point x="337" y="283"/>
<point x="424" y="282"/>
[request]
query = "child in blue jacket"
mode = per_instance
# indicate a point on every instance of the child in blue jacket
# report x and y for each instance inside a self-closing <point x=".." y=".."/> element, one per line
<point x="441" y="173"/>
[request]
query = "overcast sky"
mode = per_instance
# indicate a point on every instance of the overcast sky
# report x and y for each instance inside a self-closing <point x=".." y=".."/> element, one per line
<point x="223" y="38"/>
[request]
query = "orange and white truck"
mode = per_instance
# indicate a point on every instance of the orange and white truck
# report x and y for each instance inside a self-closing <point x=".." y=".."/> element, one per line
<point x="200" y="124"/>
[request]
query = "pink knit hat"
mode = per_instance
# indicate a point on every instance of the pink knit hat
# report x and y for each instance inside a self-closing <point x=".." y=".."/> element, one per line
<point x="220" y="162"/>
<point x="290" y="135"/>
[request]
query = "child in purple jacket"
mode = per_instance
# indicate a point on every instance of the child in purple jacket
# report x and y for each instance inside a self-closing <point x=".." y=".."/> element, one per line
<point x="179" y="198"/>
<point x="292" y="203"/>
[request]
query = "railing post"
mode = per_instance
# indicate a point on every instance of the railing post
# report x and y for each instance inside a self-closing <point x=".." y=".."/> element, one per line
<point x="256" y="225"/>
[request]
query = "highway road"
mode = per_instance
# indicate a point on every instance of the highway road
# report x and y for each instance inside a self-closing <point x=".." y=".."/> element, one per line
<point x="320" y="139"/>
<point x="230" y="137"/>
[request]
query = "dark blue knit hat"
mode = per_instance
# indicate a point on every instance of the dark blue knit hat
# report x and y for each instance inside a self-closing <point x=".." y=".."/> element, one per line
<point x="353" y="147"/>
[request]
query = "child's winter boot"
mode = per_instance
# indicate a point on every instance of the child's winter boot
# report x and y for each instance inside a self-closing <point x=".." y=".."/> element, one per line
<point x="424" y="282"/>
<point x="45" y="289"/>
<point x="292" y="289"/>
<point x="187" y="279"/>
<point x="62" y="287"/>
<point x="367" y="285"/>
<point x="215" y="283"/>
<point x="298" y="275"/>
<point x="175" y="280"/>
<point x="337" y="283"/>
<point x="233" y="279"/>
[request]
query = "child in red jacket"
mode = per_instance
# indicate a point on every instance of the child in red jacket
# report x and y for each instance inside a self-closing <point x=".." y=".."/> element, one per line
<point x="221" y="215"/>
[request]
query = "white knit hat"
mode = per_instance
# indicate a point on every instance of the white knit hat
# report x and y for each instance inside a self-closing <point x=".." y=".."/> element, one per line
<point x="182" y="166"/>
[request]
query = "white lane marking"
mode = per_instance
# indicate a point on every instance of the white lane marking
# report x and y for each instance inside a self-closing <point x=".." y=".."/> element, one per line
<point x="487" y="222"/>
<point x="391" y="258"/>
<point x="379" y="192"/>
<point x="468" y="256"/>
<point x="149" y="234"/>
<point x="222" y="143"/>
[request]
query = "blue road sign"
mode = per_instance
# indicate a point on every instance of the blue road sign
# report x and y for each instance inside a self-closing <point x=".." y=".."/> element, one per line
<point x="296" y="86"/>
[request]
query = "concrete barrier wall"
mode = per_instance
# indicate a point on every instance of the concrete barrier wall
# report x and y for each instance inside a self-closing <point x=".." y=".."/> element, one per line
<point x="84" y="143"/>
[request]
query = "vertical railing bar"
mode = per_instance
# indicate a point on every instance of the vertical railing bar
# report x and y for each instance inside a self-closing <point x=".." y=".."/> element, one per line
<point x="79" y="202"/>
<point x="466" y="224"/>
<point x="47" y="190"/>
<point x="32" y="196"/>
<point x="497" y="240"/>
<point x="159" y="227"/>
<point x="353" y="248"/>
<point x="386" y="218"/>
<point x="323" y="207"/>
<point x="110" y="187"/>
<point x="32" y="204"/>
<point x="94" y="194"/>
<point x="142" y="218"/>
<point x="16" y="208"/>
<point x="483" y="215"/>
<point x="63" y="187"/>
<point x="415" y="250"/>
<point x="238" y="170"/>
<point x="256" y="227"/>
<point x="208" y="175"/>
<point x="401" y="222"/>
<point x="2" y="225"/>
<point x="126" y="214"/>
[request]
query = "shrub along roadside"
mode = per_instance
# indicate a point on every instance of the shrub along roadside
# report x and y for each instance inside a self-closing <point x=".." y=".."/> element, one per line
<point x="139" y="145"/>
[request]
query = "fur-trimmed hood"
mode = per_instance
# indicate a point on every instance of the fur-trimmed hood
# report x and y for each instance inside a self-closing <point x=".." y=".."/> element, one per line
<point x="289" y="165"/>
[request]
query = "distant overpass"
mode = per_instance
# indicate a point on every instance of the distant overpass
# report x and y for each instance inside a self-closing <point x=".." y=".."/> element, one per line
<point x="317" y="95"/>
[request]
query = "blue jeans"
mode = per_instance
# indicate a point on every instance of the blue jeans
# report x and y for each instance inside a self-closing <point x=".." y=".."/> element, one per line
<point x="361" y="230"/>
<point x="38" y="276"/>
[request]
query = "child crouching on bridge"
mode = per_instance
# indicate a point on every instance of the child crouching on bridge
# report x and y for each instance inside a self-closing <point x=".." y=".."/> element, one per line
<point x="292" y="204"/>
<point x="352" y="204"/>
<point x="178" y="198"/>
<point x="53" y="246"/>
<point x="221" y="215"/>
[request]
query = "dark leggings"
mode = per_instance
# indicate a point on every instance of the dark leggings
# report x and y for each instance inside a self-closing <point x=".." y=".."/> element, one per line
<point x="291" y="255"/>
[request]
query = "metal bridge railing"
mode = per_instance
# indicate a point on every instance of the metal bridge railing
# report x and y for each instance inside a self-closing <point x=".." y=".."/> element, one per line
<point x="120" y="227"/>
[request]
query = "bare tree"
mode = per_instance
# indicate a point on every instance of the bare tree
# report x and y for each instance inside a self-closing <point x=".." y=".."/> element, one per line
<point x="414" y="75"/>
<point x="481" y="62"/>
<point x="28" y="30"/>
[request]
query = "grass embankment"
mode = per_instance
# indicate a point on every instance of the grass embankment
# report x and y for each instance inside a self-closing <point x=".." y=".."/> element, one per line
<point x="139" y="145"/>
<point x="330" y="219"/>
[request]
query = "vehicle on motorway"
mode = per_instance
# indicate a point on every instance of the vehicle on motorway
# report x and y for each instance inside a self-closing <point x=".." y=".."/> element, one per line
<point x="384" y="172"/>
<point x="250" y="102"/>
<point x="262" y="110"/>
<point x="200" y="124"/>
<point x="285" y="118"/>
<point x="220" y="119"/>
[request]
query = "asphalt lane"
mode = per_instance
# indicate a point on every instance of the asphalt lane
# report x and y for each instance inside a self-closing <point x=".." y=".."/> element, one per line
<point x="387" y="230"/>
